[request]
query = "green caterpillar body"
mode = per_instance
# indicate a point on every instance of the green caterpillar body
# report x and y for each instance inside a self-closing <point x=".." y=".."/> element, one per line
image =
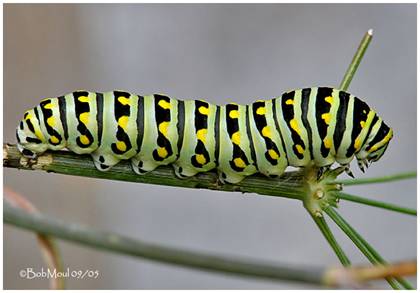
<point x="317" y="126"/>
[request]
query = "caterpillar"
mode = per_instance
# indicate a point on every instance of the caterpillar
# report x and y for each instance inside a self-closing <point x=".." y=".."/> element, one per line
<point x="318" y="126"/>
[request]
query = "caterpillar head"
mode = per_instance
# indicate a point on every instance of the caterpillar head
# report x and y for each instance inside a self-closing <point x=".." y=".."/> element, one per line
<point x="375" y="145"/>
<point x="31" y="140"/>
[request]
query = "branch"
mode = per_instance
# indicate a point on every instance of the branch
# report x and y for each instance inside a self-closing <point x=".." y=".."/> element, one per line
<point x="379" y="204"/>
<point x="63" y="162"/>
<point x="216" y="263"/>
<point x="329" y="236"/>
<point x="351" y="70"/>
<point x="382" y="179"/>
<point x="128" y="246"/>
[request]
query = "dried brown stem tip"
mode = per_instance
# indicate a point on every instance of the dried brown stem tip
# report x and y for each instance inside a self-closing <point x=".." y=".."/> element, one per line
<point x="355" y="276"/>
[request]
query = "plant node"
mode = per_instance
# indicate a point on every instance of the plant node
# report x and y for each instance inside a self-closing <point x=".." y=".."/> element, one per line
<point x="320" y="191"/>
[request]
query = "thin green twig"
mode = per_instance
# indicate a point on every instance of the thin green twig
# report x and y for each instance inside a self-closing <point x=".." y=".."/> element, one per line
<point x="382" y="179"/>
<point x="351" y="70"/>
<point x="372" y="255"/>
<point x="329" y="236"/>
<point x="376" y="203"/>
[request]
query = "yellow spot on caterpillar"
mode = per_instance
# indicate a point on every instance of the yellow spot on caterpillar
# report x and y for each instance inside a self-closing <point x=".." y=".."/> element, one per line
<point x="388" y="137"/>
<point x="329" y="99"/>
<point x="123" y="122"/>
<point x="239" y="163"/>
<point x="273" y="154"/>
<point x="203" y="110"/>
<point x="289" y="102"/>
<point x="326" y="117"/>
<point x="202" y="134"/>
<point x="200" y="159"/>
<point x="84" y="117"/>
<point x="162" y="152"/>
<point x="54" y="139"/>
<point x="84" y="99"/>
<point x="163" y="128"/>
<point x="357" y="144"/>
<point x="294" y="125"/>
<point x="362" y="124"/>
<point x="123" y="100"/>
<point x="234" y="114"/>
<point x="364" y="111"/>
<point x="48" y="106"/>
<point x="266" y="132"/>
<point x="164" y="104"/>
<point x="236" y="138"/>
<point x="261" y="111"/>
<point x="51" y="121"/>
<point x="300" y="149"/>
<point x="121" y="146"/>
<point x="84" y="139"/>
<point x="39" y="134"/>
<point x="28" y="116"/>
<point x="327" y="142"/>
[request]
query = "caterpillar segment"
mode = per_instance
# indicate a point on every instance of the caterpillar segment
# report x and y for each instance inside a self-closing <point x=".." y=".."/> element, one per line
<point x="267" y="141"/>
<point x="198" y="144"/>
<point x="310" y="126"/>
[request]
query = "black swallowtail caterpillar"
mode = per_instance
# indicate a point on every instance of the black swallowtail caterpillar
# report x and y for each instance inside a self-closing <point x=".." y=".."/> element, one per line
<point x="316" y="126"/>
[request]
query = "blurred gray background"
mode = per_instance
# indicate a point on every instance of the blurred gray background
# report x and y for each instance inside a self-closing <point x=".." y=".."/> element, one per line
<point x="220" y="53"/>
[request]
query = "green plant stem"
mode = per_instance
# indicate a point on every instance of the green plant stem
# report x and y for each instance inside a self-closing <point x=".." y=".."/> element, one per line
<point x="128" y="246"/>
<point x="64" y="162"/>
<point x="376" y="203"/>
<point x="351" y="70"/>
<point x="329" y="236"/>
<point x="382" y="179"/>
<point x="371" y="254"/>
